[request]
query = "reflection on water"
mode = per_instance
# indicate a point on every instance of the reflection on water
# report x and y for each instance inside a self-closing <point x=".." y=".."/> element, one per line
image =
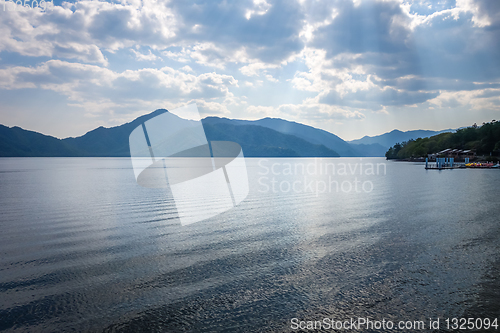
<point x="83" y="247"/>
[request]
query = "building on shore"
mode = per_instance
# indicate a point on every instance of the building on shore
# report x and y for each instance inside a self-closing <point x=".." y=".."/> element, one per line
<point x="457" y="154"/>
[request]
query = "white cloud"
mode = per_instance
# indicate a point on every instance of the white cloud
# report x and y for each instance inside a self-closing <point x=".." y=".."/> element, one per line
<point x="90" y="85"/>
<point x="260" y="7"/>
<point x="258" y="111"/>
<point x="145" y="57"/>
<point x="84" y="29"/>
<point x="484" y="99"/>
<point x="187" y="69"/>
<point x="484" y="13"/>
<point x="207" y="54"/>
<point x="271" y="78"/>
<point x="309" y="110"/>
<point x="212" y="108"/>
<point x="255" y="68"/>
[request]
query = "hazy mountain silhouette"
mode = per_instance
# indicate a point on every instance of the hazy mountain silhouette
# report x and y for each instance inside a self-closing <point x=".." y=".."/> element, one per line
<point x="257" y="141"/>
<point x="259" y="138"/>
<point x="108" y="142"/>
<point x="311" y="134"/>
<point x="15" y="141"/>
<point x="389" y="139"/>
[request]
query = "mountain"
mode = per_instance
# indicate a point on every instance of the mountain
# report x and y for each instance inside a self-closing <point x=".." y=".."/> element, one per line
<point x="311" y="134"/>
<point x="108" y="142"/>
<point x="16" y="141"/>
<point x="257" y="141"/>
<point x="265" y="137"/>
<point x="389" y="139"/>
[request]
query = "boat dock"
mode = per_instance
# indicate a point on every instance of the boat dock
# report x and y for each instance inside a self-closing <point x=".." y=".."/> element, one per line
<point x="448" y="163"/>
<point x="444" y="163"/>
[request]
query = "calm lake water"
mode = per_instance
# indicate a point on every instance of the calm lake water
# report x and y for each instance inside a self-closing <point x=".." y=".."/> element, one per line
<point x="84" y="248"/>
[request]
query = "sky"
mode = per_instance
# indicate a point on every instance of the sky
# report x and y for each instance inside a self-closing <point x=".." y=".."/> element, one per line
<point x="353" y="68"/>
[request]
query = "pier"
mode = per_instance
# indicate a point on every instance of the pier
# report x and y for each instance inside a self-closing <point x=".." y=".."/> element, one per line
<point x="447" y="163"/>
<point x="444" y="163"/>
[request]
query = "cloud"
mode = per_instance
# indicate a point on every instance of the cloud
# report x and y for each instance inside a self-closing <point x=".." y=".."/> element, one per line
<point x="255" y="68"/>
<point x="84" y="84"/>
<point x="145" y="57"/>
<point x="271" y="78"/>
<point x="259" y="111"/>
<point x="368" y="27"/>
<point x="309" y="110"/>
<point x="212" y="108"/>
<point x="320" y="112"/>
<point x="419" y="83"/>
<point x="84" y="29"/>
<point x="484" y="12"/>
<point x="260" y="8"/>
<point x="370" y="55"/>
<point x="476" y="100"/>
<point x="270" y="34"/>
<point x="187" y="69"/>
<point x="318" y="61"/>
<point x="206" y="54"/>
<point x="375" y="99"/>
<point x="35" y="34"/>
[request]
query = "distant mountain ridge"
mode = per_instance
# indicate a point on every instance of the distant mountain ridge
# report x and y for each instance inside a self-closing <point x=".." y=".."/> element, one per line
<point x="109" y="142"/>
<point x="389" y="139"/>
<point x="267" y="137"/>
<point x="100" y="142"/>
<point x="256" y="141"/>
<point x="302" y="131"/>
<point x="309" y="133"/>
<point x="18" y="142"/>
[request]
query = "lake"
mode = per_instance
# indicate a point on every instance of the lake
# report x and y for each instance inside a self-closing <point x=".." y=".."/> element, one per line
<point x="84" y="248"/>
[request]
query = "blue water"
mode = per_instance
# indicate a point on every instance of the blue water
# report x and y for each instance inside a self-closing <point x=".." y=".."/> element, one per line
<point x="84" y="248"/>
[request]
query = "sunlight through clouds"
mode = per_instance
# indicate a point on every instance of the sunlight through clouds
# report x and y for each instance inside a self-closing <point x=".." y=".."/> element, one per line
<point x="314" y="62"/>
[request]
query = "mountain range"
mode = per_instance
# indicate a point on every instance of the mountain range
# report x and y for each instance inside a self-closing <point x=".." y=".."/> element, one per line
<point x="389" y="139"/>
<point x="308" y="133"/>
<point x="268" y="137"/>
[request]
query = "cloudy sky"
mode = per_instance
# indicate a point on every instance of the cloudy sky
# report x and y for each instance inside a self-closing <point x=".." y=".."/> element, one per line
<point x="354" y="68"/>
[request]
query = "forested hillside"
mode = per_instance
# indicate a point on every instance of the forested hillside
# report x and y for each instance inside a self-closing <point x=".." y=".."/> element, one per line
<point x="484" y="140"/>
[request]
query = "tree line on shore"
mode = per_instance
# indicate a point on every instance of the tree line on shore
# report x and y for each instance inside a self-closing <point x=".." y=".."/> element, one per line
<point x="484" y="140"/>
